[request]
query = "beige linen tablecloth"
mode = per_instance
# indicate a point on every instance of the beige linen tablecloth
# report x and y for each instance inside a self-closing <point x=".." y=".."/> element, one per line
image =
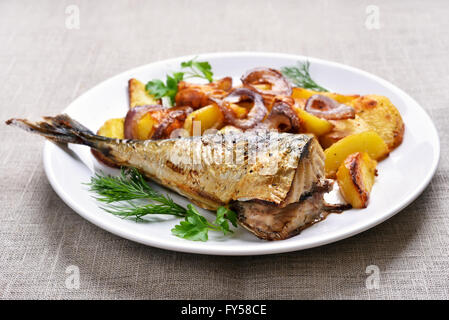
<point x="46" y="62"/>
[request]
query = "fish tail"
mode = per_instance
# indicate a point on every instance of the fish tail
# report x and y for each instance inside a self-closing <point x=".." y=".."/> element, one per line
<point x="60" y="128"/>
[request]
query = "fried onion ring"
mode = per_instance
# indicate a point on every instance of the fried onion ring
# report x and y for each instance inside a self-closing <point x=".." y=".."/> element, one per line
<point x="255" y="115"/>
<point x="282" y="118"/>
<point x="327" y="108"/>
<point x="279" y="84"/>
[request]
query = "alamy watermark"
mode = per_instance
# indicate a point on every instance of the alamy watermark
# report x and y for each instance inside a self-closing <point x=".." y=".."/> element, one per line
<point x="72" y="282"/>
<point x="372" y="21"/>
<point x="72" y="20"/>
<point x="373" y="279"/>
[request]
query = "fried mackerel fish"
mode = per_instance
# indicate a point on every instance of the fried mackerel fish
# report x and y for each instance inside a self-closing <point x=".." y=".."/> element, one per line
<point x="274" y="181"/>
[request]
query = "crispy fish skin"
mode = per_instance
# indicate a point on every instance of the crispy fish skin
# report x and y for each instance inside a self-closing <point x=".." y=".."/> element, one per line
<point x="192" y="166"/>
<point x="274" y="181"/>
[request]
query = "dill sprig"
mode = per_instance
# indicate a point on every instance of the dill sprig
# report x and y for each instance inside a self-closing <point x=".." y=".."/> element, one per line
<point x="299" y="75"/>
<point x="134" y="211"/>
<point x="130" y="186"/>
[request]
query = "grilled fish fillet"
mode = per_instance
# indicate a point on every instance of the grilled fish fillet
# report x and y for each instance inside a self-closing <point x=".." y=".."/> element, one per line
<point x="253" y="172"/>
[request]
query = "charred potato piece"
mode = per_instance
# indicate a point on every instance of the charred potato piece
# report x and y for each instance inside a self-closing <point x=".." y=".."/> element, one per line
<point x="369" y="142"/>
<point x="112" y="128"/>
<point x="382" y="116"/>
<point x="138" y="95"/>
<point x="355" y="177"/>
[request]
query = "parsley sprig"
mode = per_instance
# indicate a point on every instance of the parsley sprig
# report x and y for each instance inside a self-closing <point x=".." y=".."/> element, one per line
<point x="159" y="89"/>
<point x="122" y="196"/>
<point x="190" y="69"/>
<point x="197" y="69"/>
<point x="195" y="226"/>
<point x="300" y="76"/>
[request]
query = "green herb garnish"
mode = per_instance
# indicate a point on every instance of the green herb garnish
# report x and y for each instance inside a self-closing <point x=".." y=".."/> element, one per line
<point x="130" y="187"/>
<point x="300" y="76"/>
<point x="169" y="89"/>
<point x="198" y="69"/>
<point x="195" y="69"/>
<point x="196" y="227"/>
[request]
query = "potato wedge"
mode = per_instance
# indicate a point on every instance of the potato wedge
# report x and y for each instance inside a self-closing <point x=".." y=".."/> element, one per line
<point x="311" y="123"/>
<point x="355" y="177"/>
<point x="112" y="128"/>
<point x="146" y="125"/>
<point x="382" y="116"/>
<point x="369" y="142"/>
<point x="138" y="95"/>
<point x="209" y="116"/>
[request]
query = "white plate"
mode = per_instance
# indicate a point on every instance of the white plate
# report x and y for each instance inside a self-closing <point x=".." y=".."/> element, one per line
<point x="402" y="176"/>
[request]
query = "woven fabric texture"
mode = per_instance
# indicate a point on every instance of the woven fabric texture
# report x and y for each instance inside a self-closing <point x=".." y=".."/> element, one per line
<point x="44" y="65"/>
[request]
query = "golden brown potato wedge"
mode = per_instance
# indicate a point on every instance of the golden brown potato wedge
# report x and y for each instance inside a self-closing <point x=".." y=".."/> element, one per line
<point x="112" y="128"/>
<point x="146" y="125"/>
<point x="382" y="116"/>
<point x="311" y="123"/>
<point x="355" y="177"/>
<point x="369" y="142"/>
<point x="138" y="95"/>
<point x="210" y="117"/>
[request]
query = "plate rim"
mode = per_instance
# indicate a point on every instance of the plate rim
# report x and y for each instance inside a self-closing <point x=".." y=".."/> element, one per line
<point x="288" y="247"/>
